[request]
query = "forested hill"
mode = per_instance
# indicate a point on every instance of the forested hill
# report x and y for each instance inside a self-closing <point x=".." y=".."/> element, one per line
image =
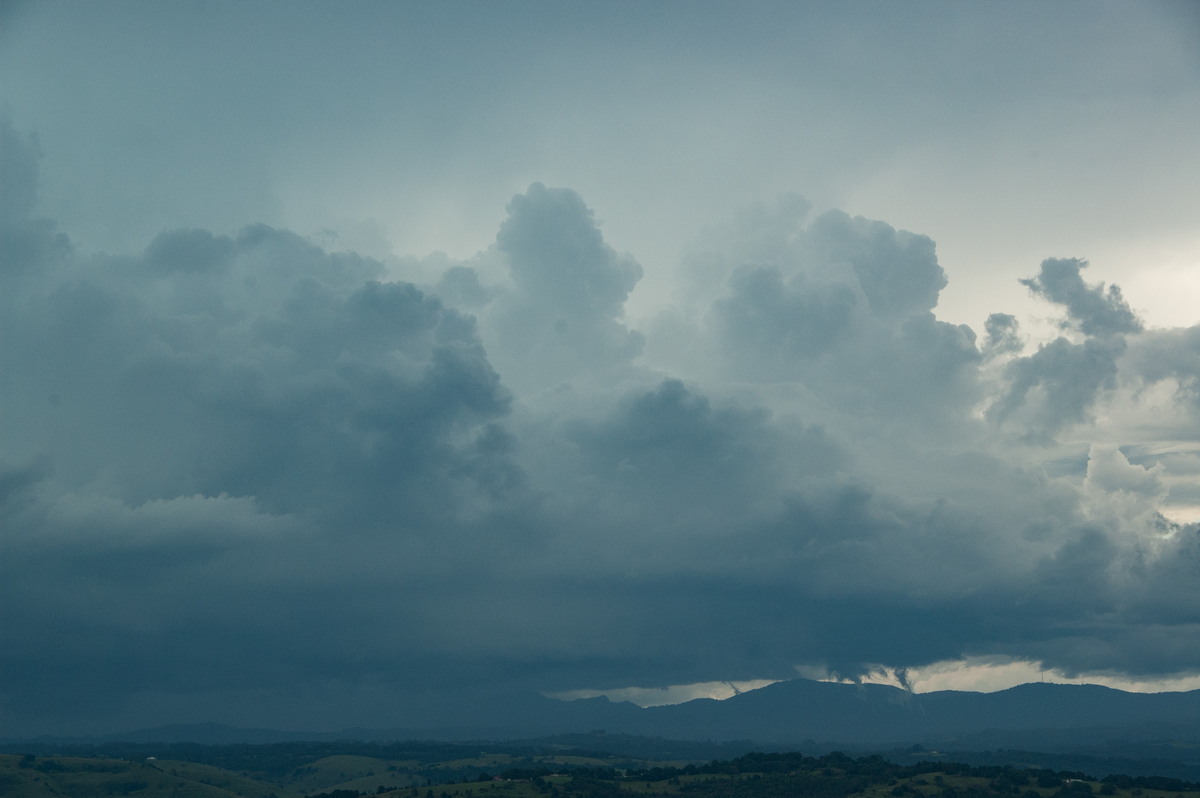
<point x="297" y="770"/>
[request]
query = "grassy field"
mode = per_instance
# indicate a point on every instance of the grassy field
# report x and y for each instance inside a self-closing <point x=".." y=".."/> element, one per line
<point x="78" y="777"/>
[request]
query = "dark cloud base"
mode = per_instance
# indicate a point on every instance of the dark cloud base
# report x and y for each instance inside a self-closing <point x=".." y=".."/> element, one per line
<point x="249" y="480"/>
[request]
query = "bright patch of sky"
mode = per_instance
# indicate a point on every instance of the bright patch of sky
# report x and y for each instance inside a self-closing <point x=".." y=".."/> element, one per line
<point x="979" y="675"/>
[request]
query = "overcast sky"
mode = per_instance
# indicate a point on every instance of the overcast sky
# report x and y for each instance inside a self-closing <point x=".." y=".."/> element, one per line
<point x="355" y="353"/>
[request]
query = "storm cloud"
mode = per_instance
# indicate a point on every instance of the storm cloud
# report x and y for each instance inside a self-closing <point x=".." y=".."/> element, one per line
<point x="260" y="475"/>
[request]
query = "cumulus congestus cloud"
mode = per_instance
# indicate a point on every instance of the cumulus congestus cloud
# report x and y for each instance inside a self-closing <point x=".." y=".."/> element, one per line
<point x="559" y="314"/>
<point x="843" y="307"/>
<point x="242" y="468"/>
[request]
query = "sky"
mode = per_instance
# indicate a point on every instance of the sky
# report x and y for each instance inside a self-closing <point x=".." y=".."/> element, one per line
<point x="359" y="355"/>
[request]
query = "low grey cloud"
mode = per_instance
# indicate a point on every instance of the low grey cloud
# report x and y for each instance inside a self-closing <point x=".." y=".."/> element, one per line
<point x="1090" y="308"/>
<point x="248" y="479"/>
<point x="1058" y="384"/>
<point x="1003" y="336"/>
<point x="1170" y="355"/>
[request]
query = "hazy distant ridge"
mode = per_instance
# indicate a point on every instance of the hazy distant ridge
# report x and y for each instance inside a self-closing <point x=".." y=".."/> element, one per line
<point x="802" y="709"/>
<point x="788" y="712"/>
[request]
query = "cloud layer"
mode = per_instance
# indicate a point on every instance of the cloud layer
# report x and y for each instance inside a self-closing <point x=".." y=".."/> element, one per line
<point x="249" y="479"/>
